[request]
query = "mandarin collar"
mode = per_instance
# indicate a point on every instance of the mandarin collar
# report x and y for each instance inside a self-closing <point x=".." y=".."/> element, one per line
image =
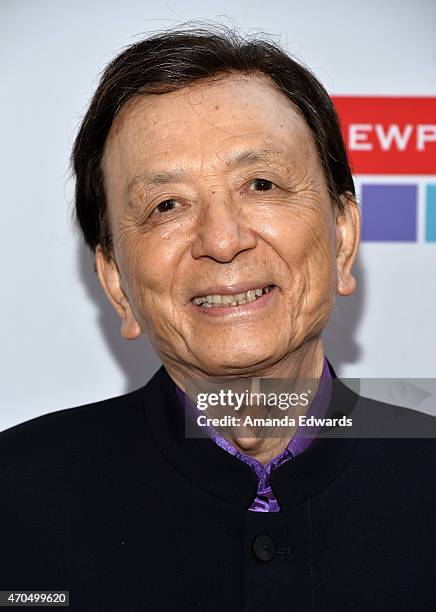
<point x="218" y="473"/>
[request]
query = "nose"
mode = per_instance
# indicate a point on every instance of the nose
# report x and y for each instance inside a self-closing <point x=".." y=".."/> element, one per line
<point x="222" y="231"/>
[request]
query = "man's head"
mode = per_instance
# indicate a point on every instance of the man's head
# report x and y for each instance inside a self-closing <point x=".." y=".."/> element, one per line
<point x="207" y="167"/>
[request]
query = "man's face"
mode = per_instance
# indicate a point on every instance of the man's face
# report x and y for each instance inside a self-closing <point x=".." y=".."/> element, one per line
<point x="216" y="190"/>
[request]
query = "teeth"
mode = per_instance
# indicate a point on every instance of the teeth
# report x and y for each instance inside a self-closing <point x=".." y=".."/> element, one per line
<point x="212" y="301"/>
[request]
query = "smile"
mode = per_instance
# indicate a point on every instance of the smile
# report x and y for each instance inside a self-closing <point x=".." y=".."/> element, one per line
<point x="228" y="300"/>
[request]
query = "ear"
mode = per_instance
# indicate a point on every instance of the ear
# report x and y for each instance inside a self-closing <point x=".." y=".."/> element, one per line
<point x="110" y="279"/>
<point x="347" y="243"/>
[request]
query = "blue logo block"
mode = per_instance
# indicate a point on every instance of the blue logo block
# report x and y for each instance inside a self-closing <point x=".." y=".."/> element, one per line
<point x="389" y="212"/>
<point x="430" y="214"/>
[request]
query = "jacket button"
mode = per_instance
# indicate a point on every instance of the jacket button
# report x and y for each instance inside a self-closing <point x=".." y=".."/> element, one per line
<point x="263" y="547"/>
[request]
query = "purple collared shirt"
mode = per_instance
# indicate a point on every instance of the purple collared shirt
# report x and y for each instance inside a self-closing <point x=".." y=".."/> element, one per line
<point x="265" y="500"/>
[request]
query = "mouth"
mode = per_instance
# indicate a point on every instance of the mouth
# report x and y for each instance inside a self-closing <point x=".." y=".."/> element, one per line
<point x="231" y="299"/>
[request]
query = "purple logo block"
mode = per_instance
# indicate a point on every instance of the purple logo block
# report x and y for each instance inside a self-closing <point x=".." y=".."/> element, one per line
<point x="389" y="212"/>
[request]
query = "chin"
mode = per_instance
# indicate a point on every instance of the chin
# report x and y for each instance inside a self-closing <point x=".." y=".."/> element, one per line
<point x="240" y="363"/>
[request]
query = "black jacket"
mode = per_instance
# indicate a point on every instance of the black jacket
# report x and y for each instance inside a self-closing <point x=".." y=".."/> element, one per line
<point x="111" y="502"/>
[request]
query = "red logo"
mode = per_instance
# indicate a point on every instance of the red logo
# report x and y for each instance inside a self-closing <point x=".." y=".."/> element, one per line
<point x="389" y="135"/>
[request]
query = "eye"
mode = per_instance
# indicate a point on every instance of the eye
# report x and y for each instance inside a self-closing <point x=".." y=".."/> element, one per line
<point x="165" y="206"/>
<point x="260" y="184"/>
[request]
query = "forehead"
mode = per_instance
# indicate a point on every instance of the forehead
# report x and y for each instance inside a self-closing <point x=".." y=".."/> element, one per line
<point x="203" y="124"/>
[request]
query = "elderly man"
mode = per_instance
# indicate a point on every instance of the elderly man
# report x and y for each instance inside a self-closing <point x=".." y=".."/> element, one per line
<point x="214" y="188"/>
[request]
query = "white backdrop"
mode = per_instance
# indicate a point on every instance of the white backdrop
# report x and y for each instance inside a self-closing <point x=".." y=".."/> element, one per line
<point x="60" y="341"/>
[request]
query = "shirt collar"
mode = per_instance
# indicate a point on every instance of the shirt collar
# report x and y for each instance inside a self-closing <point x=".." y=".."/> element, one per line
<point x="203" y="464"/>
<point x="297" y="444"/>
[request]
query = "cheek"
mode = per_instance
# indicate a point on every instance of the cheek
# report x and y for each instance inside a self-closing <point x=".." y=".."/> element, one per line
<point x="152" y="265"/>
<point x="299" y="235"/>
<point x="144" y="269"/>
<point x="305" y="243"/>
<point x="319" y="278"/>
<point x="318" y="250"/>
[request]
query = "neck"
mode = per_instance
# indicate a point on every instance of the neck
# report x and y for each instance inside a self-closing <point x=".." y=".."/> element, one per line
<point x="305" y="363"/>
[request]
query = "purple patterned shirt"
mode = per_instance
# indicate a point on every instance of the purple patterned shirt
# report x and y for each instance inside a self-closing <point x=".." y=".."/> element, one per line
<point x="265" y="500"/>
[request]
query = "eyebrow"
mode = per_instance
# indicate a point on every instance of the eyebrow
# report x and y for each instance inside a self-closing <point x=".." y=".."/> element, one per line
<point x="250" y="156"/>
<point x="244" y="158"/>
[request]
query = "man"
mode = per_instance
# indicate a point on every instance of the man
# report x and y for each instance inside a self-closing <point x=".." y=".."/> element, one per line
<point x="214" y="188"/>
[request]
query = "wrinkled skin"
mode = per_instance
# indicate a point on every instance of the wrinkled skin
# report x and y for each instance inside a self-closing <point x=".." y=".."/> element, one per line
<point x="223" y="227"/>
